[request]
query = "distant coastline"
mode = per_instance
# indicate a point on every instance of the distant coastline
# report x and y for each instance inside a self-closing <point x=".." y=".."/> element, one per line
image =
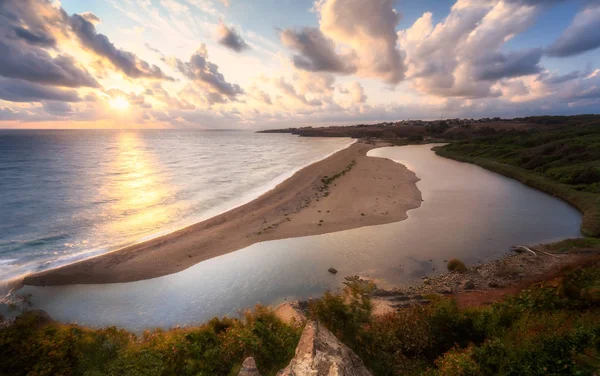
<point x="344" y="191"/>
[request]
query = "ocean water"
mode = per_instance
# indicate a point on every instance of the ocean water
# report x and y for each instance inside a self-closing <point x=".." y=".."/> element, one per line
<point x="68" y="195"/>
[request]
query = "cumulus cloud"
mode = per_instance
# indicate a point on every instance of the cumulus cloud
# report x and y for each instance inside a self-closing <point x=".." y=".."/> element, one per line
<point x="461" y="56"/>
<point x="555" y="79"/>
<point x="316" y="53"/>
<point x="125" y="61"/>
<point x="369" y="27"/>
<point x="207" y="74"/>
<point x="230" y="38"/>
<point x="14" y="90"/>
<point x="582" y="35"/>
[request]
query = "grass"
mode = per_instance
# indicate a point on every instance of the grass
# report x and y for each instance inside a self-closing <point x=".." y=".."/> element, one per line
<point x="570" y="244"/>
<point x="563" y="161"/>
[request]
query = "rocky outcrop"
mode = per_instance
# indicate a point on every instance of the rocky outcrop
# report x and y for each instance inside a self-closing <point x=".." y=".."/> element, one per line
<point x="319" y="353"/>
<point x="249" y="368"/>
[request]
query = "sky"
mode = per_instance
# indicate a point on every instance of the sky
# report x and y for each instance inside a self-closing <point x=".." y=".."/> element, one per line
<point x="239" y="64"/>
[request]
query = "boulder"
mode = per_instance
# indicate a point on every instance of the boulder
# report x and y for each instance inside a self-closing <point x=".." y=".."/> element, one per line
<point x="249" y="368"/>
<point x="332" y="270"/>
<point x="319" y="353"/>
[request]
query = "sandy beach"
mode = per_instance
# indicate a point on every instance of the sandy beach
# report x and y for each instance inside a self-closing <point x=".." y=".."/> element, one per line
<point x="344" y="191"/>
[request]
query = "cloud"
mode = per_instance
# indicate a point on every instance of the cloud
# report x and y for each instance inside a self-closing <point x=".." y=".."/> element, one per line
<point x="207" y="74"/>
<point x="357" y="93"/>
<point x="229" y="38"/>
<point x="582" y="35"/>
<point x="369" y="27"/>
<point x="555" y="79"/>
<point x="14" y="90"/>
<point x="461" y="56"/>
<point x="36" y="39"/>
<point x="36" y="65"/>
<point x="316" y="53"/>
<point x="26" y="29"/>
<point x="495" y="66"/>
<point x="289" y="90"/>
<point x="125" y="61"/>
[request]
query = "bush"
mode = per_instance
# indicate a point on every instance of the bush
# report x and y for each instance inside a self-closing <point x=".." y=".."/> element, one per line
<point x="455" y="265"/>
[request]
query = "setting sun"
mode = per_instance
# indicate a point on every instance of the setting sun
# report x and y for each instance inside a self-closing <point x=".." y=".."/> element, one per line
<point x="119" y="103"/>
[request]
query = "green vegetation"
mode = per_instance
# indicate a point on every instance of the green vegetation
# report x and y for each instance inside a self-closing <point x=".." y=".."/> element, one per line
<point x="561" y="160"/>
<point x="552" y="328"/>
<point x="572" y="244"/>
<point x="545" y="330"/>
<point x="456" y="265"/>
<point x="32" y="347"/>
<point x="327" y="180"/>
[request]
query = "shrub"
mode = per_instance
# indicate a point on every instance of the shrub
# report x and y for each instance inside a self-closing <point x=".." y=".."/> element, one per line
<point x="455" y="265"/>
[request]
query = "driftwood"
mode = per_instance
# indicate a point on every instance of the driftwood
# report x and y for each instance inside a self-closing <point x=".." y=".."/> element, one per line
<point x="521" y="249"/>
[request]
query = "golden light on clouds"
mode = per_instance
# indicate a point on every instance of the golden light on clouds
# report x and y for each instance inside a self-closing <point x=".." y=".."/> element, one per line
<point x="118" y="103"/>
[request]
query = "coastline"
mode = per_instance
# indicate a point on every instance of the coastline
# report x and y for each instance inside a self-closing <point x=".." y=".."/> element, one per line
<point x="343" y="191"/>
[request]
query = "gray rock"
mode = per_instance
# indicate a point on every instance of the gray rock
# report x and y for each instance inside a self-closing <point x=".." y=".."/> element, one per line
<point x="319" y="353"/>
<point x="249" y="368"/>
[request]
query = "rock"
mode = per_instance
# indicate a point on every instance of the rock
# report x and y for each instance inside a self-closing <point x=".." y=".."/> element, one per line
<point x="468" y="285"/>
<point x="332" y="270"/>
<point x="319" y="353"/>
<point x="493" y="284"/>
<point x="249" y="368"/>
<point x="444" y="290"/>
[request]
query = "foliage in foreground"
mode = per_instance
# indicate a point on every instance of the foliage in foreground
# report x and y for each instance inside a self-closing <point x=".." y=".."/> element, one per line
<point x="550" y="329"/>
<point x="553" y="328"/>
<point x="215" y="348"/>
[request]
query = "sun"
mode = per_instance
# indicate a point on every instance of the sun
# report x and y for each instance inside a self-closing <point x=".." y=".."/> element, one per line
<point x="119" y="103"/>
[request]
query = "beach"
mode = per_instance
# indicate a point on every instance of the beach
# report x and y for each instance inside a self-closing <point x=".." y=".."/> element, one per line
<point x="344" y="191"/>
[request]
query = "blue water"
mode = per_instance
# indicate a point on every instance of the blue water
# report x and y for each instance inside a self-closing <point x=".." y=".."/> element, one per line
<point x="67" y="195"/>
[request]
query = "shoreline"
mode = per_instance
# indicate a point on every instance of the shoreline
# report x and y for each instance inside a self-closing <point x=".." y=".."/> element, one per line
<point x="343" y="191"/>
<point x="16" y="282"/>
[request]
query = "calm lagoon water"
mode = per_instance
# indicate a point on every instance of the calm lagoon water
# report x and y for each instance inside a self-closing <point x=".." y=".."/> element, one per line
<point x="467" y="212"/>
<point x="67" y="195"/>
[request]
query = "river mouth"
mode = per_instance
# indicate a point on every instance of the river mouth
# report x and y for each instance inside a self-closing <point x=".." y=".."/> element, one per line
<point x="467" y="213"/>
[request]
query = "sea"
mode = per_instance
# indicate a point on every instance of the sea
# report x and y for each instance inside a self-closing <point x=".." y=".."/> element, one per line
<point x="66" y="195"/>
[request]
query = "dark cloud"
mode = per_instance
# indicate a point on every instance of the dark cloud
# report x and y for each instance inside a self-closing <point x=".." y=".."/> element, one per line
<point x="559" y="79"/>
<point x="23" y="91"/>
<point x="36" y="65"/>
<point x="207" y="74"/>
<point x="58" y="108"/>
<point x="36" y="39"/>
<point x="582" y="35"/>
<point x="27" y="27"/>
<point x="316" y="53"/>
<point x="495" y="66"/>
<point x="229" y="38"/>
<point x="125" y="61"/>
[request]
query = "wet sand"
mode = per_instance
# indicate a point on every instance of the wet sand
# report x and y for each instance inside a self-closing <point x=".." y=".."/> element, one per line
<point x="373" y="191"/>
